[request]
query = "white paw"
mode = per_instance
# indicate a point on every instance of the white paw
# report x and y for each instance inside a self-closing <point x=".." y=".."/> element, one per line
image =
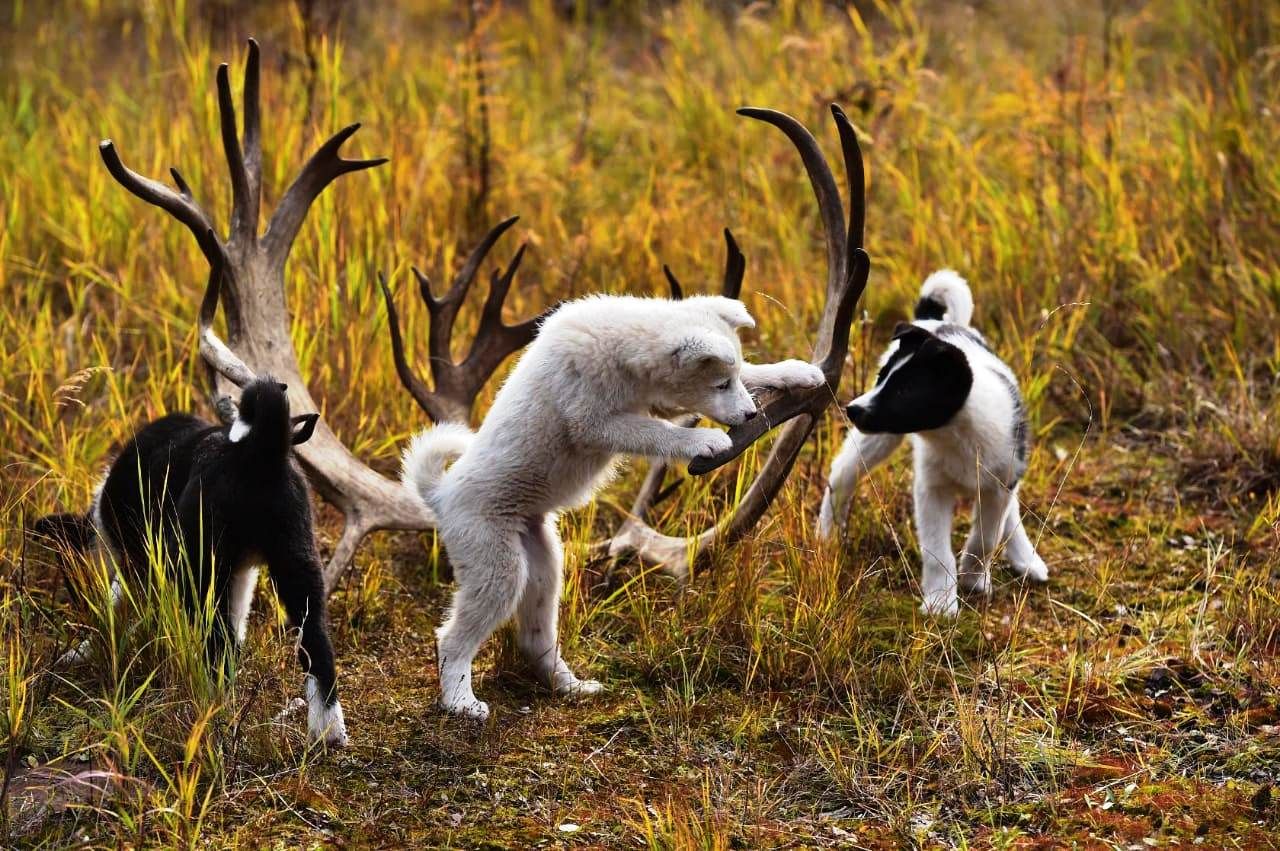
<point x="798" y="373"/>
<point x="578" y="688"/>
<point x="1036" y="571"/>
<point x="940" y="605"/>
<point x="470" y="708"/>
<point x="710" y="441"/>
<point x="325" y="724"/>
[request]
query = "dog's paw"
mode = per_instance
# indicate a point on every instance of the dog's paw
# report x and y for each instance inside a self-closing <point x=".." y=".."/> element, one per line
<point x="940" y="605"/>
<point x="798" y="373"/>
<point x="710" y="441"/>
<point x="467" y="708"/>
<point x="579" y="688"/>
<point x="333" y="737"/>
<point x="1033" y="571"/>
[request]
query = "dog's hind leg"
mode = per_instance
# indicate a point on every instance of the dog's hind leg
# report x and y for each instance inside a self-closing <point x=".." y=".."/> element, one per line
<point x="1023" y="558"/>
<point x="990" y="509"/>
<point x="296" y="574"/>
<point x="489" y="565"/>
<point x="538" y="613"/>
<point x="934" y="508"/>
<point x="860" y="454"/>
<point x="240" y="600"/>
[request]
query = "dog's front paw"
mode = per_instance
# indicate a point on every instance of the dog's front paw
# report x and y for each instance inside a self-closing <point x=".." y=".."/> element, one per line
<point x="1033" y="571"/>
<point x="709" y="442"/>
<point x="940" y="605"/>
<point x="578" y="688"/>
<point x="798" y="373"/>
<point x="467" y="708"/>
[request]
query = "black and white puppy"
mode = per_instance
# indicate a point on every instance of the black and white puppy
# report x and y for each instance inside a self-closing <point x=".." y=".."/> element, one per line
<point x="221" y="501"/>
<point x="940" y="383"/>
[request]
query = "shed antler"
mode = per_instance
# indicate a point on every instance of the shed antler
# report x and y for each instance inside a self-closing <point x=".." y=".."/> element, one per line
<point x="247" y="275"/>
<point x="847" y="269"/>
<point x="457" y="384"/>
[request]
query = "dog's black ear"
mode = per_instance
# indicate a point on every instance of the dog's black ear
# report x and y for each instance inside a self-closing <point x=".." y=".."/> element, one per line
<point x="303" y="426"/>
<point x="910" y="336"/>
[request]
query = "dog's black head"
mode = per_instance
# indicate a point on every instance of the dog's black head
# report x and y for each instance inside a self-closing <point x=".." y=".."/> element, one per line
<point x="922" y="385"/>
<point x="264" y="412"/>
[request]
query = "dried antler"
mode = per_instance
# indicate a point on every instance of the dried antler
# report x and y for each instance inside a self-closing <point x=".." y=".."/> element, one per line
<point x="457" y="384"/>
<point x="847" y="269"/>
<point x="247" y="273"/>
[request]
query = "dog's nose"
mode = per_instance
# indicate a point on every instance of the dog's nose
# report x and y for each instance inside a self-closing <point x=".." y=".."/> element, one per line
<point x="857" y="413"/>
<point x="750" y="415"/>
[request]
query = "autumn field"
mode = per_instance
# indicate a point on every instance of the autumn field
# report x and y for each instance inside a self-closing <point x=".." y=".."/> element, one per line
<point x="1106" y="175"/>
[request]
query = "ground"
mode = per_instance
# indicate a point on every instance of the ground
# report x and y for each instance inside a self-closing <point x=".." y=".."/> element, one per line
<point x="1106" y="177"/>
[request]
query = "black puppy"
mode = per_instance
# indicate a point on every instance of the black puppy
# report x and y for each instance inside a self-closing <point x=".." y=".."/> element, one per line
<point x="222" y="500"/>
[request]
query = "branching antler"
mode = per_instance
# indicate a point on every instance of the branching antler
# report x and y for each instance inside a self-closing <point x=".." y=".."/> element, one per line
<point x="457" y="384"/>
<point x="247" y="276"/>
<point x="847" y="269"/>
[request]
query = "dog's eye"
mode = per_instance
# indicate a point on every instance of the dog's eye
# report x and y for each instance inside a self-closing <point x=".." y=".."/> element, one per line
<point x="723" y="385"/>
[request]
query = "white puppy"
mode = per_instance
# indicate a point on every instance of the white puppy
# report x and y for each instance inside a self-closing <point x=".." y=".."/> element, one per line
<point x="595" y="383"/>
<point x="940" y="383"/>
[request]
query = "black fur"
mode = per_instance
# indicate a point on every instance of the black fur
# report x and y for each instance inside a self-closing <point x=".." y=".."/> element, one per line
<point x="926" y="382"/>
<point x="930" y="308"/>
<point x="220" y="507"/>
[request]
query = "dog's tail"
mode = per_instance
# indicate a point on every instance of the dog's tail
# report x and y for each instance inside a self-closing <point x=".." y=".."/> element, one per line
<point x="71" y="532"/>
<point x="945" y="295"/>
<point x="429" y="453"/>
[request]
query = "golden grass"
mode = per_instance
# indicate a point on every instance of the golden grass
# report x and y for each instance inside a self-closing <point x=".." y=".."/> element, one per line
<point x="1115" y="201"/>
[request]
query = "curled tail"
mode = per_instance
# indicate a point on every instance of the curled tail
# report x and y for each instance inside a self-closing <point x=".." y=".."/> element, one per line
<point x="946" y="296"/>
<point x="429" y="453"/>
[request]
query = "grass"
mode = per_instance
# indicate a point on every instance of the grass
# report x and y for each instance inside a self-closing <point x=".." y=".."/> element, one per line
<point x="1106" y="175"/>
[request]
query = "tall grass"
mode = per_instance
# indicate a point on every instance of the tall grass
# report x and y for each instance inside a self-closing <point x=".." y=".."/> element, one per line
<point x="1106" y="175"/>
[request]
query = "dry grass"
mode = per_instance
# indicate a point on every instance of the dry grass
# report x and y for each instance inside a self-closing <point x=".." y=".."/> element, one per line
<point x="1106" y="175"/>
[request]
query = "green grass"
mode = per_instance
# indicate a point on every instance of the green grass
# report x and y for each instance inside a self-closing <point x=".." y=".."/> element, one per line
<point x="1105" y="175"/>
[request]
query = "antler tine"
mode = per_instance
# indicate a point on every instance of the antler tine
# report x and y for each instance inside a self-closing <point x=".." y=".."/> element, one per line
<point x="253" y="135"/>
<point x="824" y="188"/>
<point x="179" y="204"/>
<point x="735" y="266"/>
<point x="240" y="212"/>
<point x="246" y="185"/>
<point x="677" y="291"/>
<point x="412" y="382"/>
<point x="217" y="356"/>
<point x="323" y="168"/>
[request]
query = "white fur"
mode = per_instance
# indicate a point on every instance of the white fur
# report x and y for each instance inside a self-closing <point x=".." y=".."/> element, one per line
<point x="585" y="391"/>
<point x="973" y="455"/>
<point x="946" y="286"/>
<point x="240" y="600"/>
<point x="325" y="724"/>
<point x="239" y="430"/>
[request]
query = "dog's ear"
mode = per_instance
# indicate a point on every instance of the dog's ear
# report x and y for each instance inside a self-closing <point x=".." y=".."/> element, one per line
<point x="303" y="427"/>
<point x="733" y="312"/>
<point x="701" y="349"/>
<point x="911" y="336"/>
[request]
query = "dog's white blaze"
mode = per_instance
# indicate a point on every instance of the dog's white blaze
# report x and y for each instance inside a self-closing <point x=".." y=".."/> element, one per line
<point x="239" y="430"/>
<point x="324" y="723"/>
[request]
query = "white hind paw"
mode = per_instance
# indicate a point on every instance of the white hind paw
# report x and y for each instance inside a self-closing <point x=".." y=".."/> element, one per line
<point x="1035" y="571"/>
<point x="468" y="708"/>
<point x="579" y="688"/>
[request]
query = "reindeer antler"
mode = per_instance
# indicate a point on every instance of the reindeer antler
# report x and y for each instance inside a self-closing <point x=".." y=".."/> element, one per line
<point x="247" y="276"/>
<point x="847" y="269"/>
<point x="457" y="384"/>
